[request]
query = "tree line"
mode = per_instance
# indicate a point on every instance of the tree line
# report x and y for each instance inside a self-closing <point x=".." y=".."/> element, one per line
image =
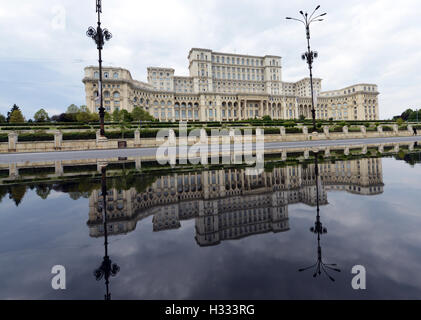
<point x="76" y="114"/>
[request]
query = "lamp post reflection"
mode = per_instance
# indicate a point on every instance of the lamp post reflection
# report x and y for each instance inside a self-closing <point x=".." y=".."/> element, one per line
<point x="107" y="267"/>
<point x="319" y="230"/>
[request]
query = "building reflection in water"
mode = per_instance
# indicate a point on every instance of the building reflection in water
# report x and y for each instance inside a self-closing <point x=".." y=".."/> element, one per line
<point x="318" y="229"/>
<point x="228" y="204"/>
<point x="107" y="267"/>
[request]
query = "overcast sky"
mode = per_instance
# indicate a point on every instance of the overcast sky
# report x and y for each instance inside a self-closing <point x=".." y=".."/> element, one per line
<point x="43" y="46"/>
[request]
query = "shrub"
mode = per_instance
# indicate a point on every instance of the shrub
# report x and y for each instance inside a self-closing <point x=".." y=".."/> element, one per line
<point x="387" y="128"/>
<point x="293" y="130"/>
<point x="39" y="136"/>
<point x="4" y="137"/>
<point x="148" y="133"/>
<point x="271" y="130"/>
<point x="289" y="124"/>
<point x="354" y="129"/>
<point x="84" y="135"/>
<point x="336" y="129"/>
<point x="127" y="134"/>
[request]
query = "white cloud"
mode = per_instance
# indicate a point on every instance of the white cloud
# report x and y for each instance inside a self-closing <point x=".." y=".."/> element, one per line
<point x="360" y="41"/>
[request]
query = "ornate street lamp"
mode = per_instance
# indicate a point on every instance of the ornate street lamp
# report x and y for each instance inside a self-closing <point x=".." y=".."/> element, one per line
<point x="319" y="230"/>
<point x="99" y="35"/>
<point x="309" y="56"/>
<point x="107" y="267"/>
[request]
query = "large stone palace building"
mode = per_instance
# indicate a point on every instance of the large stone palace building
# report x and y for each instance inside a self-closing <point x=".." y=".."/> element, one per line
<point x="228" y="204"/>
<point x="226" y="86"/>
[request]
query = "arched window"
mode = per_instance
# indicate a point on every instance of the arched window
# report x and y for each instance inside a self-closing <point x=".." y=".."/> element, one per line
<point x="106" y="75"/>
<point x="116" y="95"/>
<point x="96" y="74"/>
<point x="115" y="75"/>
<point x="106" y="94"/>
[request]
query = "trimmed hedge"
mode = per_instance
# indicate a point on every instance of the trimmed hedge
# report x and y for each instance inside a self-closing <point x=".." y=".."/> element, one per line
<point x="354" y="129"/>
<point x="86" y="135"/>
<point x="39" y="136"/>
<point x="4" y="137"/>
<point x="387" y="128"/>
<point x="336" y="129"/>
<point x="127" y="134"/>
<point x="293" y="130"/>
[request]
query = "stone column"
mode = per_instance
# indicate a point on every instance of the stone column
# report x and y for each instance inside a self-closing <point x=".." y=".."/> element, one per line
<point x="58" y="137"/>
<point x="411" y="146"/>
<point x="100" y="164"/>
<point x="395" y="129"/>
<point x="326" y="131"/>
<point x="282" y="132"/>
<point x="58" y="168"/>
<point x="345" y="130"/>
<point x="138" y="163"/>
<point x="381" y="148"/>
<point x="306" y="153"/>
<point x="363" y="131"/>
<point x="410" y="129"/>
<point x="171" y="138"/>
<point x="380" y="129"/>
<point x="13" y="170"/>
<point x="396" y="147"/>
<point x="364" y="150"/>
<point x="346" y="151"/>
<point x="327" y="152"/>
<point x="137" y="138"/>
<point x="100" y="140"/>
<point x="305" y="131"/>
<point x="203" y="136"/>
<point x="284" y="155"/>
<point x="13" y="140"/>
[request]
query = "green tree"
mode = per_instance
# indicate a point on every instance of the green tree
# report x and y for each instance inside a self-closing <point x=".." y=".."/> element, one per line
<point x="83" y="108"/>
<point x="16" y="116"/>
<point x="17" y="193"/>
<point x="302" y="117"/>
<point x="125" y="116"/>
<point x="399" y="121"/>
<point x="72" y="109"/>
<point x="93" y="116"/>
<point x="139" y="114"/>
<point x="83" y="117"/>
<point x="41" y="116"/>
<point x="2" y="118"/>
<point x="43" y="191"/>
<point x="266" y="118"/>
<point x="116" y="115"/>
<point x="107" y="116"/>
<point x="15" y="107"/>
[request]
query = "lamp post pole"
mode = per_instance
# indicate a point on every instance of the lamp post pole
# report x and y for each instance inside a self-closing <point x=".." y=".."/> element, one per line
<point x="107" y="267"/>
<point x="309" y="56"/>
<point x="99" y="35"/>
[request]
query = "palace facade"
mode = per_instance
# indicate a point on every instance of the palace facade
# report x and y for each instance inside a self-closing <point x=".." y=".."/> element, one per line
<point x="227" y="87"/>
<point x="228" y="204"/>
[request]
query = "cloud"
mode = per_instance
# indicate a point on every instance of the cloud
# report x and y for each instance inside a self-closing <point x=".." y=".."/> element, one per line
<point x="43" y="53"/>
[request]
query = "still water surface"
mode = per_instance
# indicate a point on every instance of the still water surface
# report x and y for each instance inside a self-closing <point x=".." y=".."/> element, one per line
<point x="220" y="235"/>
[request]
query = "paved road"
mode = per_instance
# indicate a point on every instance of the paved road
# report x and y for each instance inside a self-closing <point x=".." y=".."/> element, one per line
<point x="150" y="152"/>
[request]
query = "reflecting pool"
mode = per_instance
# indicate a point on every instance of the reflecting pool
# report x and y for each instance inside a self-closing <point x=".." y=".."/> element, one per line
<point x="292" y="232"/>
